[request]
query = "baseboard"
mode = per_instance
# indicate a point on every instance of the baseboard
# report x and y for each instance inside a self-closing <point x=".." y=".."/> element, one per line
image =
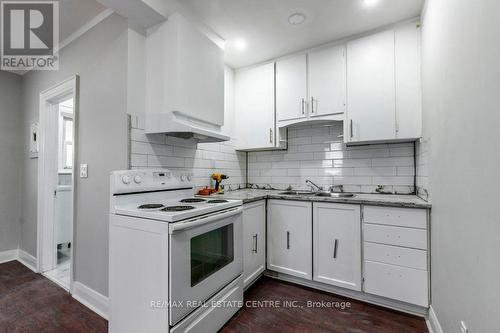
<point x="9" y="255"/>
<point x="91" y="299"/>
<point x="433" y="322"/>
<point x="27" y="260"/>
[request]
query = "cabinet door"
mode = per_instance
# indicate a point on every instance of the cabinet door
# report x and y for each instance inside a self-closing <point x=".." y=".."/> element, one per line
<point x="289" y="238"/>
<point x="291" y="88"/>
<point x="371" y="113"/>
<point x="337" y="244"/>
<point x="254" y="108"/>
<point x="408" y="82"/>
<point x="327" y="85"/>
<point x="254" y="238"/>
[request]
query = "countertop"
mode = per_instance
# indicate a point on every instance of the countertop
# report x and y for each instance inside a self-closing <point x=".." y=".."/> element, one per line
<point x="393" y="200"/>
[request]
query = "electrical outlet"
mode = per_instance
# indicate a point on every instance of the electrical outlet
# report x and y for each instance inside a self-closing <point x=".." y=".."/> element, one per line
<point x="84" y="171"/>
<point x="463" y="327"/>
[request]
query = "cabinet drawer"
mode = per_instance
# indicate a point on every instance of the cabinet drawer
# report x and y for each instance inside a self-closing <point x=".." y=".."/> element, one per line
<point x="396" y="282"/>
<point x="407" y="237"/>
<point x="405" y="217"/>
<point x="395" y="255"/>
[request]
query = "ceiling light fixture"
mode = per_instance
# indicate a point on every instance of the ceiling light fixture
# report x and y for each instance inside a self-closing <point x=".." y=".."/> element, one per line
<point x="370" y="3"/>
<point x="297" y="18"/>
<point x="240" y="44"/>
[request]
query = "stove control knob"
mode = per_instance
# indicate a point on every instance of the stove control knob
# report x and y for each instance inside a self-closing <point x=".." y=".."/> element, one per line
<point x="183" y="178"/>
<point x="138" y="179"/>
<point x="189" y="178"/>
<point x="126" y="180"/>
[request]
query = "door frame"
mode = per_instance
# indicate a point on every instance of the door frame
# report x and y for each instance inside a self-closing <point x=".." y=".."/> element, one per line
<point x="46" y="254"/>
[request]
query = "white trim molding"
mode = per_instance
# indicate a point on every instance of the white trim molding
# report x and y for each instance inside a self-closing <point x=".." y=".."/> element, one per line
<point x="27" y="260"/>
<point x="91" y="299"/>
<point x="433" y="322"/>
<point x="47" y="169"/>
<point x="9" y="255"/>
<point x="86" y="27"/>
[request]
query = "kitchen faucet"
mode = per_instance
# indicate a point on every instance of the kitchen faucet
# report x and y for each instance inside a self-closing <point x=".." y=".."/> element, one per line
<point x="319" y="188"/>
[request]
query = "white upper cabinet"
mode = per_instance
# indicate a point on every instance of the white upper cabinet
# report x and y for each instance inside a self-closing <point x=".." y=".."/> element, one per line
<point x="384" y="86"/>
<point x="254" y="104"/>
<point x="408" y="82"/>
<point x="311" y="86"/>
<point x="371" y="90"/>
<point x="185" y="81"/>
<point x="291" y="88"/>
<point x="327" y="85"/>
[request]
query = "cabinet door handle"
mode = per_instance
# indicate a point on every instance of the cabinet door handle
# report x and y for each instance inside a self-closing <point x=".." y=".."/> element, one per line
<point x="302" y="105"/>
<point x="270" y="135"/>
<point x="335" y="246"/>
<point x="255" y="240"/>
<point x="288" y="240"/>
<point x="351" y="132"/>
<point x="312" y="104"/>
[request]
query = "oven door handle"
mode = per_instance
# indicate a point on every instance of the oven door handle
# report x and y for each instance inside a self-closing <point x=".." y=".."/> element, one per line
<point x="177" y="227"/>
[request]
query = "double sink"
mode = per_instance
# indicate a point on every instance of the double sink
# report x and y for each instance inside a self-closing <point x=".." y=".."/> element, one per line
<point x="318" y="194"/>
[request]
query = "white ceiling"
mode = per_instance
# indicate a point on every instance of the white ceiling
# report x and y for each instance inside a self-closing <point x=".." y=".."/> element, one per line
<point x="263" y="24"/>
<point x="73" y="14"/>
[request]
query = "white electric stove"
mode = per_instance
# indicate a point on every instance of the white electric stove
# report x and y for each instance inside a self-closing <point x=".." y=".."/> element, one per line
<point x="171" y="254"/>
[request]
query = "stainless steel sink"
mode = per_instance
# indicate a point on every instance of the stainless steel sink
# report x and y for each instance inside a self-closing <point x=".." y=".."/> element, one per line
<point x="298" y="193"/>
<point x="319" y="194"/>
<point x="334" y="195"/>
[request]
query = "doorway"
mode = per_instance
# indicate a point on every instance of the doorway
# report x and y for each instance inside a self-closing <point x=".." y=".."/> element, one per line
<point x="56" y="181"/>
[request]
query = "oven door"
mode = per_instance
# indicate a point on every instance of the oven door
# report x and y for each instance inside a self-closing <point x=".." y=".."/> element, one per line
<point x="205" y="255"/>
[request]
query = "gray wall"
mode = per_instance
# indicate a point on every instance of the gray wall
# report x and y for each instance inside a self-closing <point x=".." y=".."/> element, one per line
<point x="10" y="160"/>
<point x="461" y="81"/>
<point x="100" y="58"/>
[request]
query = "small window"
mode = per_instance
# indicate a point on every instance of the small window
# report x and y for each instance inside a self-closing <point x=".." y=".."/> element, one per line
<point x="66" y="136"/>
<point x="67" y="149"/>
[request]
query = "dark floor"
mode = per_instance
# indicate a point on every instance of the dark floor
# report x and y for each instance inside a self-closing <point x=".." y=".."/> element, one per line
<point x="298" y="317"/>
<point x="31" y="303"/>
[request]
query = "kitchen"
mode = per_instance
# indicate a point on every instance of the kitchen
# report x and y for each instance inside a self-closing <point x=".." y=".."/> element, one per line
<point x="271" y="161"/>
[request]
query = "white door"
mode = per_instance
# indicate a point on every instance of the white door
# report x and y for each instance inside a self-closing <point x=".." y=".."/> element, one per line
<point x="289" y="238"/>
<point x="254" y="240"/>
<point x="291" y="88"/>
<point x="255" y="125"/>
<point x="327" y="85"/>
<point x="337" y="244"/>
<point x="408" y="82"/>
<point x="371" y="109"/>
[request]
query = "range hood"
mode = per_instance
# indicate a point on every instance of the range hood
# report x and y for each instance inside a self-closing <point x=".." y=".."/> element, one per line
<point x="182" y="126"/>
<point x="184" y="82"/>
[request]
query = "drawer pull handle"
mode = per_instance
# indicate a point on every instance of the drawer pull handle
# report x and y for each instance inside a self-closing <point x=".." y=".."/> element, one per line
<point x="335" y="247"/>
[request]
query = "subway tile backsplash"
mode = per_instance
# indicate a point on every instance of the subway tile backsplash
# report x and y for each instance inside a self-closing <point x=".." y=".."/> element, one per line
<point x="422" y="177"/>
<point x="317" y="152"/>
<point x="160" y="151"/>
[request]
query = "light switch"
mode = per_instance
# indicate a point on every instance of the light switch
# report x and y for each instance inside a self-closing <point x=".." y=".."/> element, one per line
<point x="84" y="171"/>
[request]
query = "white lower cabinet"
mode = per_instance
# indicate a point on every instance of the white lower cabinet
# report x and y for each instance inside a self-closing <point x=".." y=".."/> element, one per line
<point x="337" y="244"/>
<point x="289" y="237"/>
<point x="323" y="242"/>
<point x="254" y="240"/>
<point x="396" y="254"/>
